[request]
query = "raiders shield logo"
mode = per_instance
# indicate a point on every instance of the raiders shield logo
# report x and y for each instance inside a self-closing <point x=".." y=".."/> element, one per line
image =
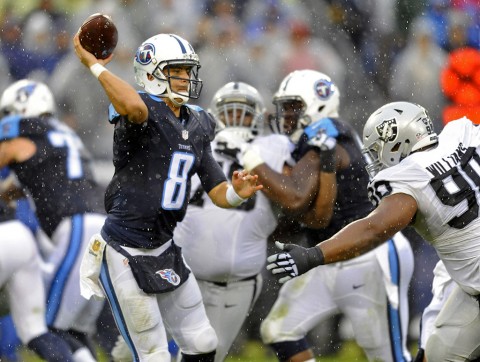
<point x="185" y="135"/>
<point x="387" y="131"/>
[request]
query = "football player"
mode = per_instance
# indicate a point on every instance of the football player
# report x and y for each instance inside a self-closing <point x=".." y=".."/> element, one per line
<point x="442" y="286"/>
<point x="160" y="142"/>
<point x="21" y="275"/>
<point x="430" y="182"/>
<point x="236" y="247"/>
<point x="371" y="291"/>
<point x="51" y="163"/>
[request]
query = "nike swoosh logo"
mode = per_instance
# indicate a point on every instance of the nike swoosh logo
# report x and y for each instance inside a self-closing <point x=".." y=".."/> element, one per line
<point x="357" y="286"/>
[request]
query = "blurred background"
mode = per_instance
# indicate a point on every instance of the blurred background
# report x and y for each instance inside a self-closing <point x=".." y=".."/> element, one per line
<point x="377" y="51"/>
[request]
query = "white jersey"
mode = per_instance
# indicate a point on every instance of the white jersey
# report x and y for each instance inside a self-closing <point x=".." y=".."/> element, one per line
<point x="223" y="245"/>
<point x="445" y="183"/>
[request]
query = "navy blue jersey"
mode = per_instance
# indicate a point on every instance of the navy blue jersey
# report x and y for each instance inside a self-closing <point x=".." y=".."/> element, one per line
<point x="352" y="199"/>
<point x="154" y="163"/>
<point x="6" y="213"/>
<point x="58" y="176"/>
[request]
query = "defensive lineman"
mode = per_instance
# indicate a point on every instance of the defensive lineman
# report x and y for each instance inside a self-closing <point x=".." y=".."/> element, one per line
<point x="428" y="181"/>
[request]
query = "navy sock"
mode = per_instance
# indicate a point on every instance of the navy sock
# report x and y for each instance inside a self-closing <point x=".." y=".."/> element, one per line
<point x="285" y="350"/>
<point x="51" y="348"/>
<point x="204" y="357"/>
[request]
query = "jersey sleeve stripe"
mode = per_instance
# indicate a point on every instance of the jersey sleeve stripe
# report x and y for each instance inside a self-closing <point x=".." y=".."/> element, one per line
<point x="10" y="127"/>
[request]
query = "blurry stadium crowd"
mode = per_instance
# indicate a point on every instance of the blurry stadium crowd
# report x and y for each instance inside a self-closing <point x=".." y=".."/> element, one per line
<point x="422" y="51"/>
<point x="375" y="49"/>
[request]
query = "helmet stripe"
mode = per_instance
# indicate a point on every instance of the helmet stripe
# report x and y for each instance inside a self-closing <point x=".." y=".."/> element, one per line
<point x="287" y="81"/>
<point x="29" y="88"/>
<point x="180" y="43"/>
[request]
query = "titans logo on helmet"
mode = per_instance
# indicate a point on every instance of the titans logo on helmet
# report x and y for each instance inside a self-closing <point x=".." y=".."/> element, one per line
<point x="25" y="92"/>
<point x="169" y="275"/>
<point x="145" y="53"/>
<point x="323" y="89"/>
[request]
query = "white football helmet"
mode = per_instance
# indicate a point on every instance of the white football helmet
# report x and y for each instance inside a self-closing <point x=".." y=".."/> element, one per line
<point x="304" y="96"/>
<point x="153" y="58"/>
<point x="393" y="132"/>
<point x="239" y="107"/>
<point x="27" y="98"/>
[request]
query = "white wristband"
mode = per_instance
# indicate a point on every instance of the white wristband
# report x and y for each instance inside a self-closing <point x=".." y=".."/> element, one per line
<point x="251" y="159"/>
<point x="232" y="197"/>
<point x="97" y="69"/>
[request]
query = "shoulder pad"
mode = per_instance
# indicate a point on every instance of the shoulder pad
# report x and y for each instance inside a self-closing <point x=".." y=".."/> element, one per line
<point x="195" y="108"/>
<point x="10" y="127"/>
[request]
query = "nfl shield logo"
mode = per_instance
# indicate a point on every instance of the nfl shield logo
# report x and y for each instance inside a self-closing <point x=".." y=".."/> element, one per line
<point x="185" y="135"/>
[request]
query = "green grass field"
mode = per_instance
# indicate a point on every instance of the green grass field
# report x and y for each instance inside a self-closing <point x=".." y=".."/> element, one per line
<point x="256" y="352"/>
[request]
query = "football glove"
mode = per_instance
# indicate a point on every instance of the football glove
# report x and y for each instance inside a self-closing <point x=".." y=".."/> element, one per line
<point x="321" y="136"/>
<point x="325" y="124"/>
<point x="293" y="261"/>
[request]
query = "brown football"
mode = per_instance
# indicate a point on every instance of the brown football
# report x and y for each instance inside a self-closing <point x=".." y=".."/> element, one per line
<point x="99" y="35"/>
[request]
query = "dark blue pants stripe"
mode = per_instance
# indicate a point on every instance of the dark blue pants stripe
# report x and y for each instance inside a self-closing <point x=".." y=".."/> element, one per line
<point x="115" y="307"/>
<point x="394" y="318"/>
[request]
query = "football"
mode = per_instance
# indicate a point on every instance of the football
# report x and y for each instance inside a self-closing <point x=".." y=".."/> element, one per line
<point x="98" y="35"/>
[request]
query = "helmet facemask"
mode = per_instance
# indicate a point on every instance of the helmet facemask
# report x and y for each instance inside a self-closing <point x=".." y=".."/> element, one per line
<point x="290" y="117"/>
<point x="240" y="108"/>
<point x="194" y="83"/>
<point x="373" y="158"/>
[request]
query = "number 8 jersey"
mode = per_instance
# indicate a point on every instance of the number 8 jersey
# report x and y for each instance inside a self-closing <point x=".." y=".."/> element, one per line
<point x="445" y="183"/>
<point x="154" y="163"/>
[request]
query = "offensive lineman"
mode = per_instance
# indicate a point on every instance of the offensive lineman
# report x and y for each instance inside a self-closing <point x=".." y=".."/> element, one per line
<point x="235" y="248"/>
<point x="371" y="291"/>
<point x="159" y="144"/>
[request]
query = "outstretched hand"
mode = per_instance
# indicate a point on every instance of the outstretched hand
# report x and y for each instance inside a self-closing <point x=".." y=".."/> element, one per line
<point x="293" y="261"/>
<point x="245" y="184"/>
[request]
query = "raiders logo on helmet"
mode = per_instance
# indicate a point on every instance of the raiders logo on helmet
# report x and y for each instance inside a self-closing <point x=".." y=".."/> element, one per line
<point x="387" y="130"/>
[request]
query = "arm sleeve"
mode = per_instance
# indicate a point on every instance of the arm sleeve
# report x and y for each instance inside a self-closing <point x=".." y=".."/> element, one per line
<point x="210" y="172"/>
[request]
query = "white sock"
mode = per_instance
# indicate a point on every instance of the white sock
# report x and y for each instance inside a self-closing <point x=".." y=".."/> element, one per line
<point x="83" y="355"/>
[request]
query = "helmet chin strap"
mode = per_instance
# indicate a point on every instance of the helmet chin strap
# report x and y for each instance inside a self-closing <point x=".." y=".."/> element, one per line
<point x="174" y="97"/>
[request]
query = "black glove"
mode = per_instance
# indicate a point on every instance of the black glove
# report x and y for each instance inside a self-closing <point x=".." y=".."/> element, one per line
<point x="293" y="261"/>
